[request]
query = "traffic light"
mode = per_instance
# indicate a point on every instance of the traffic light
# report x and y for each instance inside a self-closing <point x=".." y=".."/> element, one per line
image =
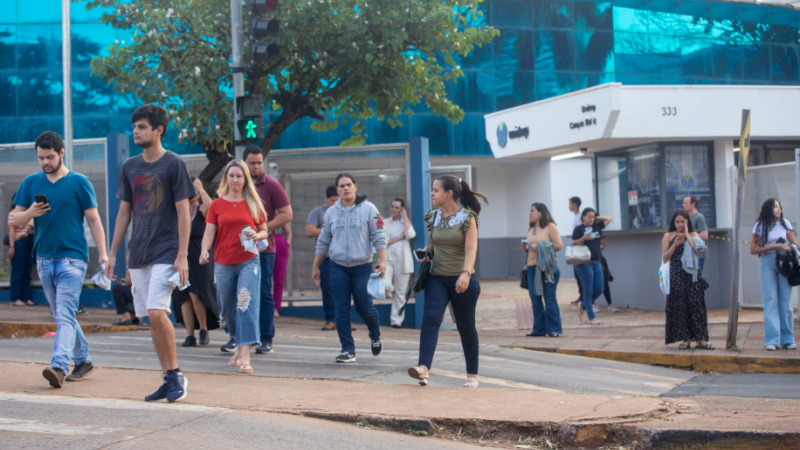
<point x="251" y="118"/>
<point x="262" y="31"/>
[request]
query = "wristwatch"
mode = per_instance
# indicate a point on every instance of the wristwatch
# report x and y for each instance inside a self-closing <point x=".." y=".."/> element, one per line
<point x="469" y="274"/>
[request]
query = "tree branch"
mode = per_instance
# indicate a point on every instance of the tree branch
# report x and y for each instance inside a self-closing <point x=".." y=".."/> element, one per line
<point x="345" y="83"/>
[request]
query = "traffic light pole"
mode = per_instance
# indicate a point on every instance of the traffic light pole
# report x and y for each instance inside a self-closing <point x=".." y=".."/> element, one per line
<point x="238" y="76"/>
<point x="66" y="63"/>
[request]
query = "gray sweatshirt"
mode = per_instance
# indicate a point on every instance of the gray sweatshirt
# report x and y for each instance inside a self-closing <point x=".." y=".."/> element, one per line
<point x="348" y="234"/>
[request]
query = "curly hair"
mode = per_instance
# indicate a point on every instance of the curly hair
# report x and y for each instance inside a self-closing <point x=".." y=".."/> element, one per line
<point x="766" y="221"/>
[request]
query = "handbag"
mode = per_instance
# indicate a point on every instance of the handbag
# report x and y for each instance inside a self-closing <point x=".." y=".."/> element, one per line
<point x="421" y="277"/>
<point x="703" y="282"/>
<point x="523" y="278"/>
<point x="578" y="254"/>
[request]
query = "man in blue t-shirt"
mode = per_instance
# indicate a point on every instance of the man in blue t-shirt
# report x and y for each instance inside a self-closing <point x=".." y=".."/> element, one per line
<point x="58" y="199"/>
<point x="154" y="191"/>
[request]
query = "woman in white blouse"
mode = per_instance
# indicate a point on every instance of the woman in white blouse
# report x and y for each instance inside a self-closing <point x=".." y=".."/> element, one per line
<point x="399" y="265"/>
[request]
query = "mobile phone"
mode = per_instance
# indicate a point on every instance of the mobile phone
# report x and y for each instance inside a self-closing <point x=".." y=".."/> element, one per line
<point x="419" y="254"/>
<point x="40" y="198"/>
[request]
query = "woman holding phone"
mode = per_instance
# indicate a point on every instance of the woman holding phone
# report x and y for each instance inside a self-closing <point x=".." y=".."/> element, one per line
<point x="591" y="273"/>
<point x="453" y="247"/>
<point x="542" y="228"/>
<point x="771" y="233"/>
<point x="686" y="302"/>
<point x="235" y="217"/>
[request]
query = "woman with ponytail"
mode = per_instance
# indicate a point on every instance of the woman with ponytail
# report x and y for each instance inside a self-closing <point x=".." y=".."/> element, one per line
<point x="237" y="271"/>
<point x="453" y="248"/>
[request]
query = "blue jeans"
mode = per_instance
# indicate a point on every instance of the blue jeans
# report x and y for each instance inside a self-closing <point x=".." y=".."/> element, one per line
<point x="237" y="286"/>
<point x="347" y="281"/>
<point x="591" y="277"/>
<point x="21" y="267"/>
<point x="62" y="281"/>
<point x="440" y="291"/>
<point x="777" y="295"/>
<point x="546" y="316"/>
<point x="267" y="319"/>
<point x="327" y="296"/>
<point x="700" y="264"/>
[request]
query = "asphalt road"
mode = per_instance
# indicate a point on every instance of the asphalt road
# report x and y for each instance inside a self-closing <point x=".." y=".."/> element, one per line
<point x="313" y="357"/>
<point x="742" y="385"/>
<point x="47" y="422"/>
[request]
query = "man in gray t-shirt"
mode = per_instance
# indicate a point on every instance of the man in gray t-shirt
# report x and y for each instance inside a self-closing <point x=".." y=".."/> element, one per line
<point x="313" y="229"/>
<point x="700" y="226"/>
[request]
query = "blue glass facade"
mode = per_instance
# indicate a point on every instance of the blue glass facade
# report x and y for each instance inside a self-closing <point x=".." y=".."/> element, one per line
<point x="546" y="48"/>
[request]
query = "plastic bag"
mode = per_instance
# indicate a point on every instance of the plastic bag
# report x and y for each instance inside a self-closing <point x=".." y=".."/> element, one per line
<point x="248" y="244"/>
<point x="100" y="278"/>
<point x="262" y="245"/>
<point x="663" y="277"/>
<point x="376" y="286"/>
<point x="175" y="280"/>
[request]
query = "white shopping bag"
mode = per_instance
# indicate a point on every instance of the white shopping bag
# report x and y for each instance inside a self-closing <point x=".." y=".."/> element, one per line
<point x="376" y="286"/>
<point x="663" y="277"/>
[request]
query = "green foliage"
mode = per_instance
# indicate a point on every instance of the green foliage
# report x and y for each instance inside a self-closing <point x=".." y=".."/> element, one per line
<point x="341" y="61"/>
<point x="414" y="432"/>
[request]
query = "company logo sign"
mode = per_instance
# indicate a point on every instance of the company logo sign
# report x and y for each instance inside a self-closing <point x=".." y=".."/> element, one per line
<point x="687" y="182"/>
<point x="502" y="134"/>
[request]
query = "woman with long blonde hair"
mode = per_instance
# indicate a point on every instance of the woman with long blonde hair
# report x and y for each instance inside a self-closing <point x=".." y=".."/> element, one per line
<point x="236" y="269"/>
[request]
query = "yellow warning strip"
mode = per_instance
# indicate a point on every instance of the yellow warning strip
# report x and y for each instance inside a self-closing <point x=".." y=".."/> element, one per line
<point x="495" y="381"/>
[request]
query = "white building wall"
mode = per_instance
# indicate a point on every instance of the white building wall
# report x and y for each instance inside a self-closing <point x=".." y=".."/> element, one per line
<point x="491" y="182"/>
<point x="570" y="178"/>
<point x="723" y="185"/>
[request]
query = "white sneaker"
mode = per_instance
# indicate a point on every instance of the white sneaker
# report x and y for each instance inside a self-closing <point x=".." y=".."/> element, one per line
<point x="596" y="308"/>
<point x="789" y="346"/>
<point x="612" y="309"/>
<point x="771" y="348"/>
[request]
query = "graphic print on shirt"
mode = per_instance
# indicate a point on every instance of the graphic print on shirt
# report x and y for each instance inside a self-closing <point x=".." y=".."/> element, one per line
<point x="148" y="201"/>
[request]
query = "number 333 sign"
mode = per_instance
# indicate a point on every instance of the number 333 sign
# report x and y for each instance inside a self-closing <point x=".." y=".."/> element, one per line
<point x="669" y="111"/>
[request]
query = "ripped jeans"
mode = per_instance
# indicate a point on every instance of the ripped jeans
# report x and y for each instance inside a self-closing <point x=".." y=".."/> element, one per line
<point x="239" y="295"/>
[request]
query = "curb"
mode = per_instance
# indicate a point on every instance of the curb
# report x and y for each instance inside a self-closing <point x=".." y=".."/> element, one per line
<point x="16" y="330"/>
<point x="677" y="439"/>
<point x="691" y="361"/>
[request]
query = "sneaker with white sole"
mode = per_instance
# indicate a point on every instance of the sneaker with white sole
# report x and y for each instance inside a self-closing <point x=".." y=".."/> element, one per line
<point x="596" y="309"/>
<point x="346" y="358"/>
<point x="789" y="346"/>
<point x="377" y="347"/>
<point x="176" y="386"/>
<point x="771" y="348"/>
<point x="612" y="309"/>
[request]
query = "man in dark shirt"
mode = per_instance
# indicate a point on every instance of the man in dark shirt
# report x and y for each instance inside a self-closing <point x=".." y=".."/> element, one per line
<point x="700" y="226"/>
<point x="154" y="190"/>
<point x="279" y="213"/>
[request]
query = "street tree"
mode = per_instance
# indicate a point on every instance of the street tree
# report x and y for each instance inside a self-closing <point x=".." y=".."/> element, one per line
<point x="340" y="61"/>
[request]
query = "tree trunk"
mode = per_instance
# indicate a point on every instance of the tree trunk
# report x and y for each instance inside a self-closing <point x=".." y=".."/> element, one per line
<point x="290" y="114"/>
<point x="216" y="162"/>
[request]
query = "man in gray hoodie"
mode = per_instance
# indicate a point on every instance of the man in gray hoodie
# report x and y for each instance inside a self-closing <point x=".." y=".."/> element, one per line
<point x="351" y="228"/>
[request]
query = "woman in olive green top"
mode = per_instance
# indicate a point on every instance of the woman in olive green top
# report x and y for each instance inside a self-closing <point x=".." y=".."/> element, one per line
<point x="453" y="246"/>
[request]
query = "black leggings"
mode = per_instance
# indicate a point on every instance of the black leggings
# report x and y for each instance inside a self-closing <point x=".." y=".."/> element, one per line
<point x="123" y="298"/>
<point x="440" y="291"/>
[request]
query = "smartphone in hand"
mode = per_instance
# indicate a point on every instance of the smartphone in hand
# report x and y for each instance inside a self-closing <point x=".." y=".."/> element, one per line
<point x="40" y="198"/>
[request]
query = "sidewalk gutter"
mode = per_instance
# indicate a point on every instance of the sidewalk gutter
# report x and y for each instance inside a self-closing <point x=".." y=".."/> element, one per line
<point x="705" y="362"/>
<point x="16" y="330"/>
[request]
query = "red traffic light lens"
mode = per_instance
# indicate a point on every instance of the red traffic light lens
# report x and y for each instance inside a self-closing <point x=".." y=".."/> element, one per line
<point x="261" y="7"/>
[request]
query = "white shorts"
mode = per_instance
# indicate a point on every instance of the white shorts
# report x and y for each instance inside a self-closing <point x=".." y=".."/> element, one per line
<point x="151" y="288"/>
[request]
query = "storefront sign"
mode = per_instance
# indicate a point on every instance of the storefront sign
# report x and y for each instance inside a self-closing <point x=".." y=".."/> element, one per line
<point x="518" y="133"/>
<point x="585" y="122"/>
<point x="588" y="108"/>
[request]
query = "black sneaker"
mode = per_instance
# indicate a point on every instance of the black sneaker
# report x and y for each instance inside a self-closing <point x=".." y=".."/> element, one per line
<point x="54" y="376"/>
<point x="346" y="358"/>
<point x="160" y="394"/>
<point x="190" y="341"/>
<point x="176" y="386"/>
<point x="230" y="347"/>
<point x="81" y="311"/>
<point x="265" y="348"/>
<point x="204" y="337"/>
<point x="377" y="347"/>
<point x="80" y="371"/>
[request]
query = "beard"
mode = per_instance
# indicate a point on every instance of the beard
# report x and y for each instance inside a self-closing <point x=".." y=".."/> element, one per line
<point x="54" y="169"/>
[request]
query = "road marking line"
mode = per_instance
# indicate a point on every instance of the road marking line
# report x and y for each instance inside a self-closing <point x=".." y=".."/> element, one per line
<point x="584" y="358"/>
<point x="105" y="403"/>
<point x="34" y="426"/>
<point x="223" y="357"/>
<point x="495" y="381"/>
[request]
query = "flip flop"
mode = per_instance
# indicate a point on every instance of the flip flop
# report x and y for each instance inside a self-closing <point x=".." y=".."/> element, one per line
<point x="471" y="383"/>
<point x="245" y="368"/>
<point x="235" y="361"/>
<point x="704" y="346"/>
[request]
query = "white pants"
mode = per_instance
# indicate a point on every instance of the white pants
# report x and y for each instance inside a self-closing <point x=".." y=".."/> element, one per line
<point x="151" y="288"/>
<point x="396" y="283"/>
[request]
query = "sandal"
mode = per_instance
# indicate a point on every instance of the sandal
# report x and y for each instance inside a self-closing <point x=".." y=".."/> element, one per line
<point x="594" y="322"/>
<point x="235" y="361"/>
<point x="704" y="346"/>
<point x="685" y="346"/>
<point x="245" y="368"/>
<point x="18" y="303"/>
<point x="30" y="303"/>
<point x="471" y="382"/>
<point x="420" y="374"/>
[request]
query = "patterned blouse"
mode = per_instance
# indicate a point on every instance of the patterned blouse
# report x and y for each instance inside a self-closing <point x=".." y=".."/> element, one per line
<point x="449" y="235"/>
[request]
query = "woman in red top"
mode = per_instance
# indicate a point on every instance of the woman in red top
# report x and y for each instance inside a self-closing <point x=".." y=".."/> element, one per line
<point x="236" y="269"/>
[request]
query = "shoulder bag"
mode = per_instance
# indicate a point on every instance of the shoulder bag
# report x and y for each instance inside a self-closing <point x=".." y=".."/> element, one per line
<point x="578" y="254"/>
<point x="421" y="277"/>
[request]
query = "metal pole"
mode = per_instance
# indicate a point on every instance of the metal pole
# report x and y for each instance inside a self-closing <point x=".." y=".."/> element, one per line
<point x="66" y="63"/>
<point x="733" y="309"/>
<point x="238" y="77"/>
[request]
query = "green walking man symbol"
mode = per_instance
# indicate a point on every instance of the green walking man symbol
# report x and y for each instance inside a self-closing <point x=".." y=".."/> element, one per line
<point x="251" y="129"/>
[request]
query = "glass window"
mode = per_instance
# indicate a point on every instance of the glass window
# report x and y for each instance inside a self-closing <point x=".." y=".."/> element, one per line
<point x="30" y="128"/>
<point x="513" y="89"/>
<point x="8" y="131"/>
<point x="552" y="14"/>
<point x="631" y="53"/>
<point x="9" y="11"/>
<point x="437" y="129"/>
<point x="665" y="55"/>
<point x="89" y="41"/>
<point x="298" y="135"/>
<point x="551" y="84"/>
<point x="511" y="13"/>
<point x="784" y="64"/>
<point x="91" y="95"/>
<point x="644" y="187"/>
<point x="697" y="57"/>
<point x="727" y="57"/>
<point x="8" y="47"/>
<point x="586" y="80"/>
<point x="333" y="137"/>
<point x="39" y="47"/>
<point x="380" y="132"/>
<point x="593" y="15"/>
<point x="40" y="93"/>
<point x="93" y="127"/>
<point x="594" y="51"/>
<point x="475" y="91"/>
<point x="513" y="50"/>
<point x="45" y="11"/>
<point x="688" y="172"/>
<point x="8" y="94"/>
<point x="79" y="14"/>
<point x="555" y="50"/>
<point x="469" y="137"/>
<point x="756" y="62"/>
<point x="478" y="58"/>
<point x="630" y="20"/>
<point x="612" y="190"/>
<point x="630" y="79"/>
